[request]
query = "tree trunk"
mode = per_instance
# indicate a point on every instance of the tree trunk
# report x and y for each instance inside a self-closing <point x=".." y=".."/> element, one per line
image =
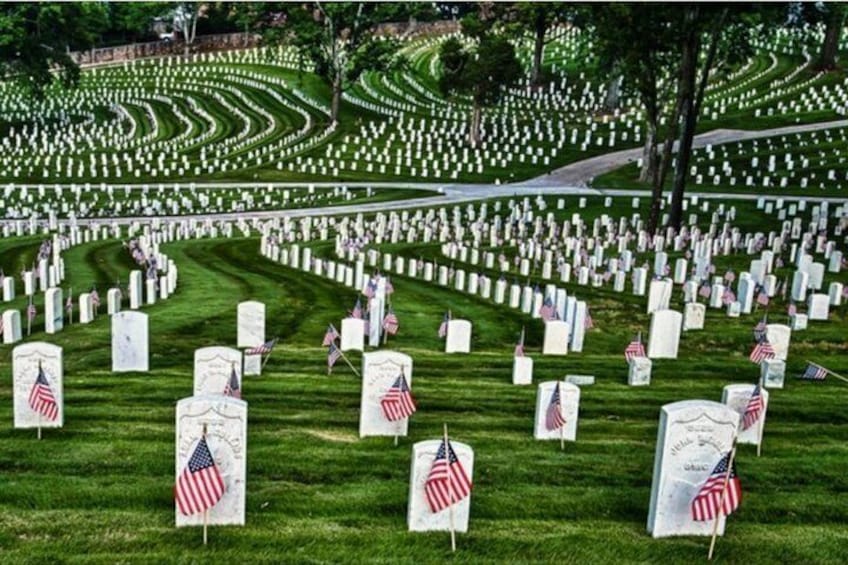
<point x="538" y="51"/>
<point x="337" y="99"/>
<point x="664" y="164"/>
<point x="613" y="96"/>
<point x="476" y="119"/>
<point x="692" y="111"/>
<point x="833" y="29"/>
<point x="688" y="70"/>
<point x="650" y="160"/>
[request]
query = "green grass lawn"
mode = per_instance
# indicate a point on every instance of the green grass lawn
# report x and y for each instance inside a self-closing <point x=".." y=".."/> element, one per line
<point x="99" y="490"/>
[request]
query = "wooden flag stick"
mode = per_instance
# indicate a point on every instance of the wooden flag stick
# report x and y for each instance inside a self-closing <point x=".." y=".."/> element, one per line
<point x="450" y="491"/>
<point x="39" y="412"/>
<point x="562" y="427"/>
<point x="273" y="344"/>
<point x="720" y="508"/>
<point x="828" y="371"/>
<point x="29" y="318"/>
<point x="205" y="512"/>
<point x="352" y="368"/>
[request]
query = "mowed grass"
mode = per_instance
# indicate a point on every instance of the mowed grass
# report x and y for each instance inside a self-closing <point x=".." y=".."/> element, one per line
<point x="99" y="490"/>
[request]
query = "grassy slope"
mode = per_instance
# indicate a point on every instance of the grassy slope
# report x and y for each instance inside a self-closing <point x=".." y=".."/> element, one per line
<point x="99" y="490"/>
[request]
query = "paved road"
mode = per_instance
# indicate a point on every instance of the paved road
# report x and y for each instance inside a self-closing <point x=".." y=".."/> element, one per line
<point x="572" y="180"/>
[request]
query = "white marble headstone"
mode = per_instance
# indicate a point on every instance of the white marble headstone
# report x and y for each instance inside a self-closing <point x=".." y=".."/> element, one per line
<point x="225" y="419"/>
<point x="556" y="338"/>
<point x="458" y="339"/>
<point x="130" y="341"/>
<point x="570" y="401"/>
<point x="664" y="336"/>
<point x="213" y="367"/>
<point x="353" y="334"/>
<point x="380" y="369"/>
<point x="251" y="324"/>
<point x="737" y="396"/>
<point x="419" y="516"/>
<point x="692" y="438"/>
<point x="25" y="360"/>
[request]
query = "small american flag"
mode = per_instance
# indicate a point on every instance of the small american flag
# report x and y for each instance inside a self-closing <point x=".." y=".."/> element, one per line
<point x="389" y="288"/>
<point x="519" y="347"/>
<point x="447" y="482"/>
<point x="69" y="304"/>
<point x="588" y="322"/>
<point x="553" y="416"/>
<point x="95" y="298"/>
<point x="370" y="289"/>
<point x="730" y="276"/>
<point x="263" y="349"/>
<point x="200" y="485"/>
<point x="443" y="328"/>
<point x="333" y="355"/>
<point x="41" y="398"/>
<point x="753" y="409"/>
<point x="761" y="352"/>
<point x="791" y="309"/>
<point x="706" y="503"/>
<point x="760" y="330"/>
<point x="357" y="310"/>
<point x="728" y="297"/>
<point x="330" y="336"/>
<point x="763" y="298"/>
<point x="814" y="372"/>
<point x="390" y="322"/>
<point x="31" y="311"/>
<point x="634" y="349"/>
<point x="397" y="403"/>
<point x="232" y="387"/>
<point x="547" y="311"/>
<point x="705" y="290"/>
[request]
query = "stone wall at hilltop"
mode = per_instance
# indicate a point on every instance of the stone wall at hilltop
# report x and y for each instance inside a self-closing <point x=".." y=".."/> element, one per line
<point x="202" y="44"/>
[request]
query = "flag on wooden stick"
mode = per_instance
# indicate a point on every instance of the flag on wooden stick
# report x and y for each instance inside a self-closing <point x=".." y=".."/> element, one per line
<point x="200" y="485"/>
<point x="41" y="398"/>
<point x="397" y="403"/>
<point x="722" y="491"/>
<point x="753" y="409"/>
<point x="447" y="482"/>
<point x="554" y="419"/>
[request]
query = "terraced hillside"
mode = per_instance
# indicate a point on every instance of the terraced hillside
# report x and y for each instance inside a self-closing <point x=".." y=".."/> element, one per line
<point x="254" y="116"/>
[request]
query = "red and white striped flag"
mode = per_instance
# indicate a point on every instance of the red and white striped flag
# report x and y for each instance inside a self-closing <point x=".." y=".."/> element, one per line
<point x="761" y="352"/>
<point x="443" y="328"/>
<point x="447" y="482"/>
<point x="232" y="387"/>
<point x="41" y="398"/>
<point x="200" y="485"/>
<point x="588" y="322"/>
<point x="333" y="355"/>
<point x="330" y="336"/>
<point x="397" y="403"/>
<point x="390" y="322"/>
<point x="519" y="347"/>
<point x="709" y="500"/>
<point x="554" y="419"/>
<point x="634" y="349"/>
<point x="753" y="409"/>
<point x="763" y="298"/>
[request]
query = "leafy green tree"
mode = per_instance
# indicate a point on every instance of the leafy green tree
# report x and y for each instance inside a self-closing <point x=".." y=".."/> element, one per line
<point x="36" y="38"/>
<point x="541" y="19"/>
<point x="338" y="38"/>
<point x="483" y="70"/>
